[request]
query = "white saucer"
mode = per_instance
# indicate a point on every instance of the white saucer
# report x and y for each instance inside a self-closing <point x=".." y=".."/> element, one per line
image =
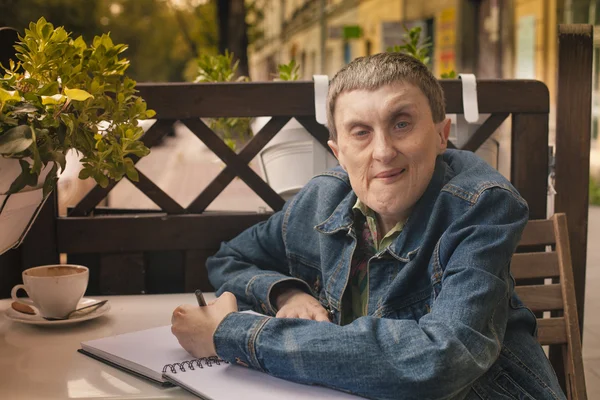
<point x="39" y="320"/>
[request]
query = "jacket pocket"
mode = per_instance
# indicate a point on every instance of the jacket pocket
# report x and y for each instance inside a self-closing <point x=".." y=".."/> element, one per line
<point x="511" y="388"/>
<point x="497" y="384"/>
<point x="304" y="270"/>
<point x="510" y="379"/>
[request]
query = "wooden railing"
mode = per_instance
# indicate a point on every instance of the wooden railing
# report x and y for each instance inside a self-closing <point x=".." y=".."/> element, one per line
<point x="127" y="252"/>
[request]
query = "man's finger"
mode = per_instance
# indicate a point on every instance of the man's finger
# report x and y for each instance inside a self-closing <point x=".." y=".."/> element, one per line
<point x="318" y="314"/>
<point x="305" y="315"/>
<point x="283" y="314"/>
<point x="321" y="317"/>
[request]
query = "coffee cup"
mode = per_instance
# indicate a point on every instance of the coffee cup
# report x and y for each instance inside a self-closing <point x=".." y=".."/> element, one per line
<point x="55" y="290"/>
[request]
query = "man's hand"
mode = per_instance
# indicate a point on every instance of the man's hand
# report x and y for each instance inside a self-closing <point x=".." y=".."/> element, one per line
<point x="295" y="303"/>
<point x="195" y="326"/>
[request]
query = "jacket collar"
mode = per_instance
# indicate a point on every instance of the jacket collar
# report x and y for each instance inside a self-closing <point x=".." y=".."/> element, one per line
<point x="409" y="240"/>
<point x="341" y="218"/>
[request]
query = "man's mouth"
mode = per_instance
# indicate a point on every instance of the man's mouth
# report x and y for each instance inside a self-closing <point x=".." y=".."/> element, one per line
<point x="390" y="173"/>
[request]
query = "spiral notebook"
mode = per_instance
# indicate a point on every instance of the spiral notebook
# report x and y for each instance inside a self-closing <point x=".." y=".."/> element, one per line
<point x="155" y="354"/>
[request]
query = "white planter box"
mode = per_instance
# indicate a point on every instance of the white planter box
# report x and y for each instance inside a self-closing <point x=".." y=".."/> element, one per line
<point x="291" y="158"/>
<point x="461" y="131"/>
<point x="19" y="210"/>
<point x="17" y="213"/>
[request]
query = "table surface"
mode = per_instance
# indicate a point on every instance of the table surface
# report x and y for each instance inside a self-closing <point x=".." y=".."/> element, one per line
<point x="42" y="362"/>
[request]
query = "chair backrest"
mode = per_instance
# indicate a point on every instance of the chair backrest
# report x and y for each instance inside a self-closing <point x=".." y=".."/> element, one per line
<point x="558" y="297"/>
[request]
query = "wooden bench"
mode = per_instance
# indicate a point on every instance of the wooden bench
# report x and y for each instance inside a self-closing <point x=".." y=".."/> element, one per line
<point x="558" y="297"/>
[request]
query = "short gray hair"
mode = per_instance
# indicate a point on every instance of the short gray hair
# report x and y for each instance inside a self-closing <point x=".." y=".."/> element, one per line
<point x="373" y="72"/>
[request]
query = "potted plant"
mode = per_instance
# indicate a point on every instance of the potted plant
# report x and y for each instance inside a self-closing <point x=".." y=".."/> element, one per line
<point x="461" y="130"/>
<point x="293" y="156"/>
<point x="220" y="68"/>
<point x="60" y="95"/>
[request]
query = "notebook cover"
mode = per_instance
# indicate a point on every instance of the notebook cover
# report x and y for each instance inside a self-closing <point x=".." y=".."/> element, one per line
<point x="122" y="368"/>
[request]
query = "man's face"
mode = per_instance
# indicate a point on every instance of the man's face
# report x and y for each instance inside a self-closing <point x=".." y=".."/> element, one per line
<point x="387" y="142"/>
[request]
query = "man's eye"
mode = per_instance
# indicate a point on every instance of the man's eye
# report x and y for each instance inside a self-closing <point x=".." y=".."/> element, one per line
<point x="402" y="125"/>
<point x="361" y="133"/>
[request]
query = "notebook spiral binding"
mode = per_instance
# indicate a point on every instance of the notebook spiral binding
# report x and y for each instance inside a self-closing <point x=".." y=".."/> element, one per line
<point x="191" y="365"/>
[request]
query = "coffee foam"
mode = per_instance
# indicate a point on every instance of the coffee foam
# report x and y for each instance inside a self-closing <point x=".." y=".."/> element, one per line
<point x="50" y="272"/>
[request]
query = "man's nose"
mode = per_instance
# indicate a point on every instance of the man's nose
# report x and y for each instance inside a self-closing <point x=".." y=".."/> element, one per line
<point x="383" y="150"/>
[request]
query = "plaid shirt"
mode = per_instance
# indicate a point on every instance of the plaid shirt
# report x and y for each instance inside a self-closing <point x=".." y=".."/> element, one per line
<point x="355" y="301"/>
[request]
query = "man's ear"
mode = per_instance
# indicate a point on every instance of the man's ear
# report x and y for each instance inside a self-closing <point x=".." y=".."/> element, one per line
<point x="336" y="150"/>
<point x="443" y="130"/>
<point x="334" y="147"/>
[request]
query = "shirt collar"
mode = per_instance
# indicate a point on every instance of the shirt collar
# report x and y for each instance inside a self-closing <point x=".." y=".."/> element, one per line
<point x="380" y="238"/>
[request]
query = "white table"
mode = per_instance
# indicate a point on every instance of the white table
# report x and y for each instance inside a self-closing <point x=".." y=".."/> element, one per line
<point x="42" y="362"/>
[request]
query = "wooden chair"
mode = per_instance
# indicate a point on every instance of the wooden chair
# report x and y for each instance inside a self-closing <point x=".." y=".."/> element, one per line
<point x="533" y="266"/>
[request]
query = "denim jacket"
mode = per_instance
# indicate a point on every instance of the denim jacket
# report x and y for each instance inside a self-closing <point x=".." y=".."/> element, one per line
<point x="443" y="319"/>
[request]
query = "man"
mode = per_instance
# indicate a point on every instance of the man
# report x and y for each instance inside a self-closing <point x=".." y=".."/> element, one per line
<point x="389" y="275"/>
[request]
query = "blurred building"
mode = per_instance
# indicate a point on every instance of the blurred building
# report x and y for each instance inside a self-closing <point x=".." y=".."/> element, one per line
<point x="491" y="38"/>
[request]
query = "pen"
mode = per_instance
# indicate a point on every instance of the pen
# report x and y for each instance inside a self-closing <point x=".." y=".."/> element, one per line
<point x="200" y="298"/>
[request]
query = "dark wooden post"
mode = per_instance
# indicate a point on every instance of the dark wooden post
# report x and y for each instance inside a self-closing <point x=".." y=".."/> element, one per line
<point x="573" y="130"/>
<point x="529" y="160"/>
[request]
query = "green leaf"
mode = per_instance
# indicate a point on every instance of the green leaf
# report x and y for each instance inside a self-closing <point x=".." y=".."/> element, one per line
<point x="16" y="140"/>
<point x="55" y="99"/>
<point x="32" y="98"/>
<point x="37" y="160"/>
<point x="77" y="94"/>
<point x="6" y="95"/>
<point x="449" y="75"/>
<point x="68" y="121"/>
<point x="59" y="158"/>
<point x="132" y="174"/>
<point x="59" y="35"/>
<point x="288" y="72"/>
<point x="140" y="150"/>
<point x="49" y="89"/>
<point x="101" y="179"/>
<point x="26" y="178"/>
<point x="50" y="181"/>
<point x="85" y="173"/>
<point x="79" y="43"/>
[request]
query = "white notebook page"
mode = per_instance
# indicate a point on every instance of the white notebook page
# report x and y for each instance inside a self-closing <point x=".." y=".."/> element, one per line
<point x="232" y="382"/>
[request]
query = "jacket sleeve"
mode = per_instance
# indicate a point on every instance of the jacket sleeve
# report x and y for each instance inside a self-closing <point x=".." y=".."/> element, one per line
<point x="438" y="357"/>
<point x="252" y="264"/>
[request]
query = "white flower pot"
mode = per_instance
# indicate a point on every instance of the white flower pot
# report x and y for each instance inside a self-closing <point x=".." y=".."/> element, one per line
<point x="18" y="210"/>
<point x="461" y="131"/>
<point x="10" y="169"/>
<point x="291" y="158"/>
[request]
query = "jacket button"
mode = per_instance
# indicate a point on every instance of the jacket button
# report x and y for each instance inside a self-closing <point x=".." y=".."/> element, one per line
<point x="264" y="308"/>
